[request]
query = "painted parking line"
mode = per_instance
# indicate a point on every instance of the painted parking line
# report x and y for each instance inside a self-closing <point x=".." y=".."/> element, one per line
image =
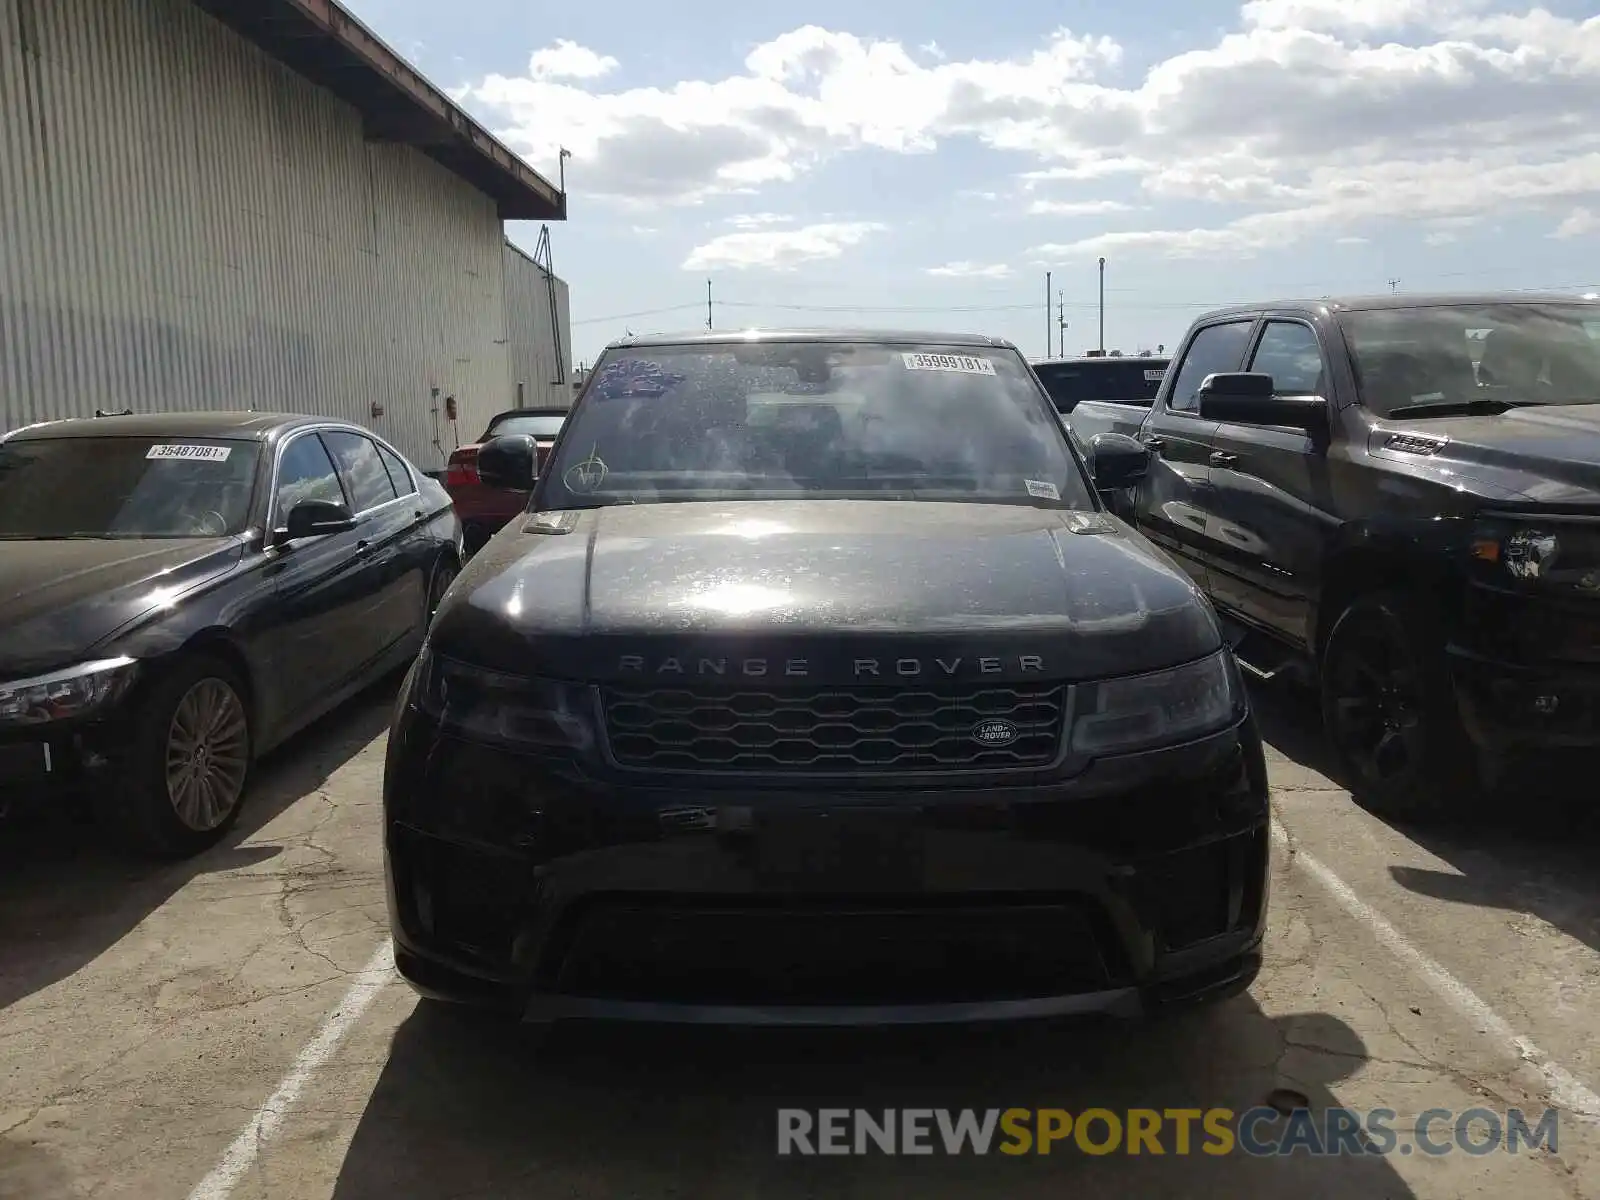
<point x="265" y="1122"/>
<point x="1566" y="1090"/>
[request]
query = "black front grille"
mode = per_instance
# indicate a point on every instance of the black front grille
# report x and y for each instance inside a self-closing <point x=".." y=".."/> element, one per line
<point x="843" y="730"/>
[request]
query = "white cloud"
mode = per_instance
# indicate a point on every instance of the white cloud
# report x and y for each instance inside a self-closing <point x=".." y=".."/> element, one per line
<point x="1578" y="223"/>
<point x="757" y="220"/>
<point x="1351" y="241"/>
<point x="779" y="249"/>
<point x="568" y="60"/>
<point x="969" y="270"/>
<point x="1310" y="118"/>
<point x="1076" y="208"/>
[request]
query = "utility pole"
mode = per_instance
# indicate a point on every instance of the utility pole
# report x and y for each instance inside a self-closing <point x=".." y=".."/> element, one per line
<point x="1047" y="315"/>
<point x="708" y="306"/>
<point x="1102" y="306"/>
<point x="1394" y="285"/>
<point x="1061" y="319"/>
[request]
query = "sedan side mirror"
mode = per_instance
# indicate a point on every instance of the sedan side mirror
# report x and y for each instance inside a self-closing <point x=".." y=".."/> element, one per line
<point x="1117" y="461"/>
<point x="316" y="518"/>
<point x="1248" y="398"/>
<point x="510" y="461"/>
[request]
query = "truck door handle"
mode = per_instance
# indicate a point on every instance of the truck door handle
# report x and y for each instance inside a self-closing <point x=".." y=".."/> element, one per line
<point x="1158" y="444"/>
<point x="1221" y="459"/>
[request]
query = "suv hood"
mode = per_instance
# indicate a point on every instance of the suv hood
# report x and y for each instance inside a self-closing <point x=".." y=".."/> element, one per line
<point x="60" y="599"/>
<point x="1548" y="454"/>
<point x="834" y="580"/>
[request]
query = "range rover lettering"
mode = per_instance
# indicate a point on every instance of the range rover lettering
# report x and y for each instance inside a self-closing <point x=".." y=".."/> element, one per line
<point x="817" y="684"/>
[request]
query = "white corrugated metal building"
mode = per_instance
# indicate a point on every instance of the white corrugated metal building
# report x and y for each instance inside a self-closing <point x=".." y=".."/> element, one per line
<point x="212" y="204"/>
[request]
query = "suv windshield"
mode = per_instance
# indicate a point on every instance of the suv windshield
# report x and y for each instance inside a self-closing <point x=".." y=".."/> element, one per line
<point x="1452" y="356"/>
<point x="1112" y="380"/>
<point x="539" y="425"/>
<point x="125" y="487"/>
<point x="814" y="420"/>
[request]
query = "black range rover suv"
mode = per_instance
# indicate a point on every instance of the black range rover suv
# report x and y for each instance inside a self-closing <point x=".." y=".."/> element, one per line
<point x="818" y="685"/>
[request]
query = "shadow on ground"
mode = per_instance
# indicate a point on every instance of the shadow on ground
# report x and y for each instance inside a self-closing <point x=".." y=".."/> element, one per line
<point x="466" y="1109"/>
<point x="66" y="896"/>
<point x="1529" y="847"/>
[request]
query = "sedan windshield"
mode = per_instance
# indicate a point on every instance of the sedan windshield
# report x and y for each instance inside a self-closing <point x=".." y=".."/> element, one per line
<point x="125" y="487"/>
<point x="1474" y="357"/>
<point x="815" y="420"/>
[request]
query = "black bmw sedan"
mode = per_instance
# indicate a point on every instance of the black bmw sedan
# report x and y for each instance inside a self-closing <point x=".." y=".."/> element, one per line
<point x="181" y="592"/>
<point x="818" y="685"/>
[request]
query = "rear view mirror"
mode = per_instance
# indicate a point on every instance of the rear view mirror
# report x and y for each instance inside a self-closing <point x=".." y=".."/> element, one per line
<point x="1117" y="461"/>
<point x="317" y="518"/>
<point x="510" y="461"/>
<point x="1247" y="398"/>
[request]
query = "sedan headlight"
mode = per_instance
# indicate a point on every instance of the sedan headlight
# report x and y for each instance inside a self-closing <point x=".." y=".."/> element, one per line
<point x="1163" y="708"/>
<point x="489" y="705"/>
<point x="73" y="692"/>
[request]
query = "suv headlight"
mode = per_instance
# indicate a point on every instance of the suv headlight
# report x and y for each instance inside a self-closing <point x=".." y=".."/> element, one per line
<point x="1524" y="552"/>
<point x="1163" y="708"/>
<point x="489" y="705"/>
<point x="72" y="692"/>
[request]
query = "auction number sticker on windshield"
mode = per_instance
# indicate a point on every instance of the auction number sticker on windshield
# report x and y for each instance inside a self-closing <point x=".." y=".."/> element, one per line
<point x="1040" y="490"/>
<point x="962" y="364"/>
<point x="190" y="453"/>
<point x="1154" y="376"/>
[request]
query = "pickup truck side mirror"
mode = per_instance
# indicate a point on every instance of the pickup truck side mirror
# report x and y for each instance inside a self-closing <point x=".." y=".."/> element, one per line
<point x="1117" y="461"/>
<point x="510" y="461"/>
<point x="315" y="518"/>
<point x="1247" y="398"/>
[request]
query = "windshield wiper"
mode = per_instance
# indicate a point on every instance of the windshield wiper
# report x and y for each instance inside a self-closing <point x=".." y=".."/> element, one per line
<point x="1479" y="407"/>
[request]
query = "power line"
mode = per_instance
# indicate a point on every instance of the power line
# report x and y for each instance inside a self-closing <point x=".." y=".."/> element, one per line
<point x="936" y="309"/>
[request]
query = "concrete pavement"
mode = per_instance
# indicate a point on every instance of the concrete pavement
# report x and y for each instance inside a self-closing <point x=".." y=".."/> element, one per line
<point x="217" y="1029"/>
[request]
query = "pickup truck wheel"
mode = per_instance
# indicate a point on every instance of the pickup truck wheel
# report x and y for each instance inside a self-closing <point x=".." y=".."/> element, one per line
<point x="1390" y="712"/>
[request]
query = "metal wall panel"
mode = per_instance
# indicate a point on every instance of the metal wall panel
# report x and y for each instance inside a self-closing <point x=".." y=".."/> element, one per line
<point x="187" y="224"/>
<point x="545" y="376"/>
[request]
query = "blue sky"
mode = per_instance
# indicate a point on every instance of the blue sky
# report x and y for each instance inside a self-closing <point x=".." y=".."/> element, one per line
<point x="925" y="165"/>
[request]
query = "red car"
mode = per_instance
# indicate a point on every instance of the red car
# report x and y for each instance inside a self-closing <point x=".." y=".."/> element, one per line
<point x="484" y="510"/>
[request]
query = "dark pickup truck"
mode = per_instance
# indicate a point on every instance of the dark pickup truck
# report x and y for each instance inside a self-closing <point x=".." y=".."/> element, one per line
<point x="1108" y="393"/>
<point x="1398" y="499"/>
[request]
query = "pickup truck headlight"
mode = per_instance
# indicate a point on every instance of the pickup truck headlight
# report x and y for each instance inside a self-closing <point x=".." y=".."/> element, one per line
<point x="1163" y="708"/>
<point x="491" y="706"/>
<point x="73" y="692"/>
<point x="1549" y="554"/>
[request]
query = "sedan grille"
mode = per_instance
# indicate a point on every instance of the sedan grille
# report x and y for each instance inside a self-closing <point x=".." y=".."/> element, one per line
<point x="839" y="730"/>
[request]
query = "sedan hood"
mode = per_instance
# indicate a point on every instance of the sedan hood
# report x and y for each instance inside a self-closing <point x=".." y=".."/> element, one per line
<point x="60" y="599"/>
<point x="619" y="590"/>
<point x="1549" y="454"/>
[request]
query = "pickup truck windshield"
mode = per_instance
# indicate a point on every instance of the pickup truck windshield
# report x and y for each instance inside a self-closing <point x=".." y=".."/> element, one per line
<point x="1109" y="380"/>
<point x="125" y="487"/>
<point x="814" y="420"/>
<point x="1474" y="357"/>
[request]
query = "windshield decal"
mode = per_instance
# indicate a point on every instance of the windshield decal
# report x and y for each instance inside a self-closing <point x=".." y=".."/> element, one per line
<point x="1041" y="490"/>
<point x="962" y="364"/>
<point x="633" y="377"/>
<point x="586" y="476"/>
<point x="190" y="453"/>
<point x="1154" y="376"/>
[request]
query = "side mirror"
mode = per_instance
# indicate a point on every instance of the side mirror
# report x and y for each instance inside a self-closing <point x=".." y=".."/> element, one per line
<point x="316" y="518"/>
<point x="1247" y="398"/>
<point x="1117" y="461"/>
<point x="510" y="461"/>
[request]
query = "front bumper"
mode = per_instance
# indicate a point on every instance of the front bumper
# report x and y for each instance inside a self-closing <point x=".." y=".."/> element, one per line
<point x="1526" y="671"/>
<point x="43" y="764"/>
<point x="549" y="890"/>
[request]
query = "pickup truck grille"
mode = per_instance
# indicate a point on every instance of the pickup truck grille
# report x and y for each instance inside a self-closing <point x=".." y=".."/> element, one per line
<point x="835" y="730"/>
